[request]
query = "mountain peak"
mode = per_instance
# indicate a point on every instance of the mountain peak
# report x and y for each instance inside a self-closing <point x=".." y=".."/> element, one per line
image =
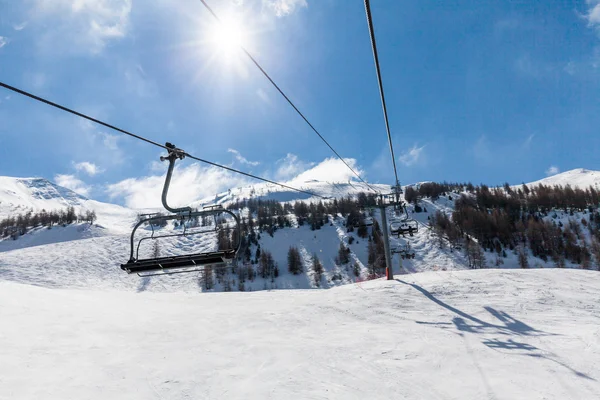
<point x="579" y="177"/>
<point x="18" y="194"/>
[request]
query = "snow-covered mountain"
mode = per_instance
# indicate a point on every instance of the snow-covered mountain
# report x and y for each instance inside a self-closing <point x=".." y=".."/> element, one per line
<point x="20" y="194"/>
<point x="89" y="256"/>
<point x="580" y="177"/>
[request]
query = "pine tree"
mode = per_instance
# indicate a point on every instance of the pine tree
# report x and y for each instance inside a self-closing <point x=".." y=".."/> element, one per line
<point x="317" y="268"/>
<point x="294" y="261"/>
<point x="595" y="250"/>
<point x="523" y="258"/>
<point x="343" y="256"/>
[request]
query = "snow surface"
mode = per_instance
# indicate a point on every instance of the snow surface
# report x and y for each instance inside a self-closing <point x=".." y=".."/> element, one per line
<point x="580" y="177"/>
<point x="486" y="334"/>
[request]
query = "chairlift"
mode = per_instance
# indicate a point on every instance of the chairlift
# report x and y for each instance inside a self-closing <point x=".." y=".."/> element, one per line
<point x="185" y="215"/>
<point x="406" y="252"/>
<point x="404" y="224"/>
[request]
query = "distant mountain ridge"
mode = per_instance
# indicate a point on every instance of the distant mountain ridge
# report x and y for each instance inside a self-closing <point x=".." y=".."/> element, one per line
<point x="580" y="177"/>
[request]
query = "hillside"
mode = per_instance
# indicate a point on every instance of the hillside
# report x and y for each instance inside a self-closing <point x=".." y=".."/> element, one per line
<point x="488" y="334"/>
<point x="88" y="256"/>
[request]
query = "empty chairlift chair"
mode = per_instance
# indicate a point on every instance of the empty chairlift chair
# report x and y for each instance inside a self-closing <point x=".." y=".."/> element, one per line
<point x="227" y="234"/>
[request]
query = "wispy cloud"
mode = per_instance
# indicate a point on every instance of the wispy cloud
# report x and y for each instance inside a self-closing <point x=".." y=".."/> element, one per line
<point x="290" y="166"/>
<point x="196" y="182"/>
<point x="281" y="8"/>
<point x="20" y="27"/>
<point x="553" y="170"/>
<point x="529" y="67"/>
<point x="263" y="96"/>
<point x="412" y="156"/>
<point x="528" y="141"/>
<point x="89" y="168"/>
<point x="137" y="82"/>
<point x="81" y="25"/>
<point x="73" y="183"/>
<point x="189" y="184"/>
<point x="481" y="149"/>
<point x="241" y="158"/>
<point x="3" y="41"/>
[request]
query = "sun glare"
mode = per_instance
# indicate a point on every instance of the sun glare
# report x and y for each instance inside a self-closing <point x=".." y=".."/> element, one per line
<point x="227" y="37"/>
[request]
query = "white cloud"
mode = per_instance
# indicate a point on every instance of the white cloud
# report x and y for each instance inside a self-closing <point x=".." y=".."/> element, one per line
<point x="20" y="27"/>
<point x="110" y="141"/>
<point x="289" y="167"/>
<point x="241" y="158"/>
<point x="196" y="182"/>
<point x="189" y="184"/>
<point x="3" y="41"/>
<point x="81" y="25"/>
<point x="89" y="168"/>
<point x="593" y="15"/>
<point x="71" y="182"/>
<point x="412" y="156"/>
<point x="553" y="170"/>
<point x="281" y="8"/>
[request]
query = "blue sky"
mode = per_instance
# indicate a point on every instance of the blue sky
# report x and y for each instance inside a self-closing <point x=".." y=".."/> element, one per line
<point x="477" y="90"/>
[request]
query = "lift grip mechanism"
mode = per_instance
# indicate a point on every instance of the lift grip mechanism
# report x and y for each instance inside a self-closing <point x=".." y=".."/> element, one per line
<point x="174" y="154"/>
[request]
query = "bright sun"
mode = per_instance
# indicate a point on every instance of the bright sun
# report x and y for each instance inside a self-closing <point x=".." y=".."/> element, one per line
<point x="227" y="37"/>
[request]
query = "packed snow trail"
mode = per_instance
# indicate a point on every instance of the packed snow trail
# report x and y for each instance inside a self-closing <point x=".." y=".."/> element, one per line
<point x="487" y="334"/>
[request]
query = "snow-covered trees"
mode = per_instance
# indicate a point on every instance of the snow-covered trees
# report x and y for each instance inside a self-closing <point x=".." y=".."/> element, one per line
<point x="475" y="255"/>
<point x="15" y="226"/>
<point x="503" y="217"/>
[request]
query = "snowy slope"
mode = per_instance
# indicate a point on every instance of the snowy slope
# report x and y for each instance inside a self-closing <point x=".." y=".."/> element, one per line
<point x="580" y="177"/>
<point x="93" y="260"/>
<point x="486" y="334"/>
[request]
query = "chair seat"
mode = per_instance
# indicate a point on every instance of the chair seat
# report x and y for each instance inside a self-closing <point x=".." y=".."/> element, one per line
<point x="164" y="263"/>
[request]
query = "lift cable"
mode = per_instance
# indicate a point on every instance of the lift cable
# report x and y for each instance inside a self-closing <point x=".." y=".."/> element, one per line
<point x="379" y="80"/>
<point x="290" y="101"/>
<point x="97" y="121"/>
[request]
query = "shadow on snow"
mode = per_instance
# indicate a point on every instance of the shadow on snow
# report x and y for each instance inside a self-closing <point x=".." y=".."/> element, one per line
<point x="467" y="323"/>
